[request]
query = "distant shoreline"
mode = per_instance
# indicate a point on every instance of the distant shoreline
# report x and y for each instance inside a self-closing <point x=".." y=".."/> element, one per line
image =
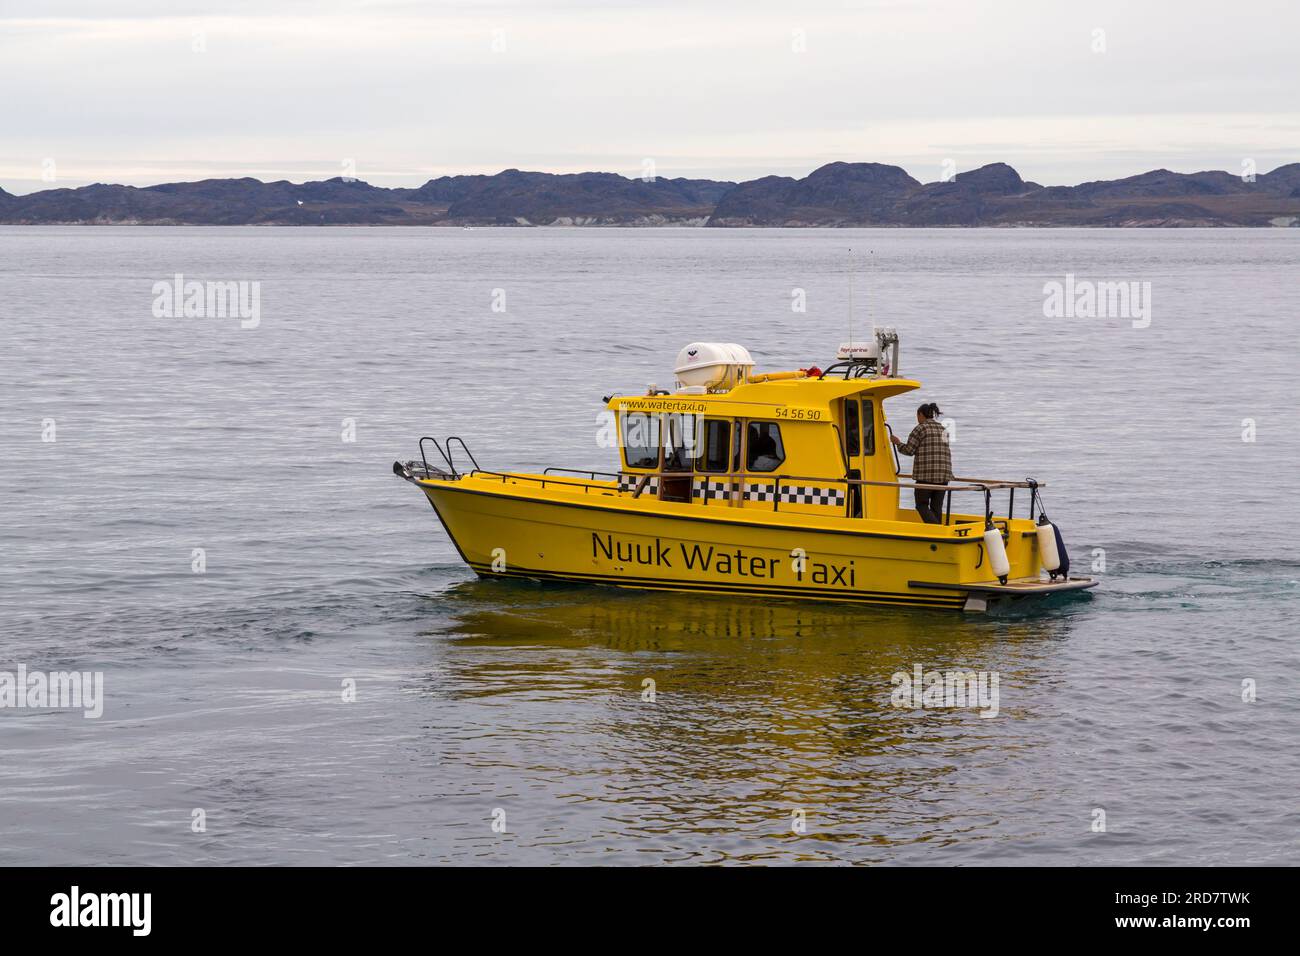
<point x="526" y="227"/>
<point x="847" y="195"/>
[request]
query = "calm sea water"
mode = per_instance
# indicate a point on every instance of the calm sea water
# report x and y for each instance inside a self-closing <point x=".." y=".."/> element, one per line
<point x="224" y="689"/>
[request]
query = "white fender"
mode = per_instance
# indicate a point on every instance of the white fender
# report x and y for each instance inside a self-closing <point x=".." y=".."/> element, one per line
<point x="1047" y="547"/>
<point x="997" y="553"/>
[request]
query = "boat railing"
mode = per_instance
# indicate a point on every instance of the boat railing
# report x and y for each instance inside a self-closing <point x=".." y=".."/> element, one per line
<point x="997" y="484"/>
<point x="447" y="455"/>
<point x="545" y="478"/>
<point x="984" y="486"/>
<point x="451" y="469"/>
<point x="463" y="447"/>
<point x="581" y="471"/>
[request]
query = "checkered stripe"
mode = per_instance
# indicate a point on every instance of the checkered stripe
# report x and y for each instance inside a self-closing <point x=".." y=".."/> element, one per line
<point x="812" y="495"/>
<point x="627" y="483"/>
<point x="796" y="494"/>
<point x="719" y="489"/>
<point x="711" y="488"/>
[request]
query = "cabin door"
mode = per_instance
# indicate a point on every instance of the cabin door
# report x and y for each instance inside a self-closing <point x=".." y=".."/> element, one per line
<point x="738" y="462"/>
<point x="859" y="452"/>
<point x="713" y="461"/>
<point x="680" y="449"/>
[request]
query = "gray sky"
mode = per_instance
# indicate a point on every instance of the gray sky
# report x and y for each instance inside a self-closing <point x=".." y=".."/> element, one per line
<point x="146" y="91"/>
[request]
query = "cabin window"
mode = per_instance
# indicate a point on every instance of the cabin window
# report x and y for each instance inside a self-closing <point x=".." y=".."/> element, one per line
<point x="765" y="452"/>
<point x="641" y="440"/>
<point x="680" y="443"/>
<point x="851" y="428"/>
<point x="717" y="440"/>
<point x="868" y="427"/>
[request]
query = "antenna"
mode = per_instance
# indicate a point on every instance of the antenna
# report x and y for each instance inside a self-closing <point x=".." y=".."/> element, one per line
<point x="850" y="339"/>
<point x="870" y="252"/>
<point x="852" y="274"/>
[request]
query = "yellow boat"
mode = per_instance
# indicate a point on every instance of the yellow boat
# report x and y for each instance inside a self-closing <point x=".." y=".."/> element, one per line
<point x="779" y="485"/>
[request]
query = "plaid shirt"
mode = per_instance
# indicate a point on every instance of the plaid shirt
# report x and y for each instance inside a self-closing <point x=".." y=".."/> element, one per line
<point x="929" y="443"/>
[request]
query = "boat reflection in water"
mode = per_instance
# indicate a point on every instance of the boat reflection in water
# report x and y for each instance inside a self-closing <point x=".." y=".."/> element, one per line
<point x="759" y="709"/>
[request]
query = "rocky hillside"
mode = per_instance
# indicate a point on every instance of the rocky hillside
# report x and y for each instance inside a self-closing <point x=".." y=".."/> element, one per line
<point x="838" y="194"/>
<point x="868" y="194"/>
<point x="508" y="198"/>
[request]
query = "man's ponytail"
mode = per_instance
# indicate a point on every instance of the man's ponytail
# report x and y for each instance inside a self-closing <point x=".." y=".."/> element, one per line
<point x="929" y="410"/>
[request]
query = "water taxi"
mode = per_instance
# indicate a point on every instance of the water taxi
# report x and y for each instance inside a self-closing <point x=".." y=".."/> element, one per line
<point x="775" y="485"/>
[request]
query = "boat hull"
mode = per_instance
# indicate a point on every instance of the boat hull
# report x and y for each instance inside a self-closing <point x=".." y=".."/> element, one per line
<point x="598" y="539"/>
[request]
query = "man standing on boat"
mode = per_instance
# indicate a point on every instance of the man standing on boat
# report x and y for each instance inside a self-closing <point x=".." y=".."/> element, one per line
<point x="933" y="464"/>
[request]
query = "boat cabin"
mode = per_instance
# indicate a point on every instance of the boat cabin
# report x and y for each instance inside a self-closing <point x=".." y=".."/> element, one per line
<point x="782" y="441"/>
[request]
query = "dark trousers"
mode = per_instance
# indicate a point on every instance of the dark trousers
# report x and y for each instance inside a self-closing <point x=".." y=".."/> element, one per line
<point x="929" y="505"/>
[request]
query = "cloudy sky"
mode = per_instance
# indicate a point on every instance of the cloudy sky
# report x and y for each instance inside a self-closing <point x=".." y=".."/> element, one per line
<point x="147" y="91"/>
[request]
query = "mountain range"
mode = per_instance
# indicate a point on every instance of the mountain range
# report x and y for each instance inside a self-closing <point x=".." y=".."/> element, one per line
<point x="837" y="194"/>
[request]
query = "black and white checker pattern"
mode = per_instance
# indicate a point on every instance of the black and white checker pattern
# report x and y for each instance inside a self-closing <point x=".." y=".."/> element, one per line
<point x="811" y="495"/>
<point x="627" y="483"/>
<point x="796" y="494"/>
<point x="720" y="489"/>
<point x="714" y="489"/>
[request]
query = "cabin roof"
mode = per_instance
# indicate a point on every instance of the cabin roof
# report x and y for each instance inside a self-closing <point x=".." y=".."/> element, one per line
<point x="762" y="399"/>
